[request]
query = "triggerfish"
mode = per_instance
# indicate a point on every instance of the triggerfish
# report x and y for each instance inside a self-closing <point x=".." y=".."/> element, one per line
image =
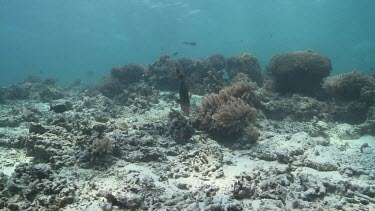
<point x="184" y="95"/>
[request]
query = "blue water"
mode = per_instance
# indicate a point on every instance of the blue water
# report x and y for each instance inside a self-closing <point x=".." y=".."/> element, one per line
<point x="69" y="39"/>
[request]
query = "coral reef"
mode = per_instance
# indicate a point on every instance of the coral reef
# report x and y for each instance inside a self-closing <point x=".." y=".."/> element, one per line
<point x="217" y="61"/>
<point x="99" y="153"/>
<point x="36" y="183"/>
<point x="128" y="147"/>
<point x="368" y="127"/>
<point x="229" y="113"/>
<point x="179" y="127"/>
<point x="139" y="97"/>
<point x="33" y="88"/>
<point x="128" y="74"/>
<point x="244" y="63"/>
<point x="163" y="73"/>
<point x="1" y="95"/>
<point x="242" y="90"/>
<point x="298" y="72"/>
<point x="350" y="86"/>
<point x="202" y="75"/>
<point x="107" y="87"/>
<point x="352" y="112"/>
<point x="352" y="94"/>
<point x="296" y="107"/>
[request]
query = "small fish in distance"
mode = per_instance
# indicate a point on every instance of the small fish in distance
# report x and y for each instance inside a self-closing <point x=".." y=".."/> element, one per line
<point x="190" y="43"/>
<point x="175" y="53"/>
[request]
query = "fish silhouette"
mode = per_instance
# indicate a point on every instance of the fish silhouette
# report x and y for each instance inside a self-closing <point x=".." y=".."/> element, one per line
<point x="190" y="43"/>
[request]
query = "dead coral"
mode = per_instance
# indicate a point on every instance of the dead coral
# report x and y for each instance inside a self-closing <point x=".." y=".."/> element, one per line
<point x="139" y="95"/>
<point x="298" y="72"/>
<point x="350" y="86"/>
<point x="244" y="63"/>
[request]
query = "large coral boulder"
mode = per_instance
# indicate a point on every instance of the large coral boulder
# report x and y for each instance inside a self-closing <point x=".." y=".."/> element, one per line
<point x="298" y="72"/>
<point x="244" y="63"/>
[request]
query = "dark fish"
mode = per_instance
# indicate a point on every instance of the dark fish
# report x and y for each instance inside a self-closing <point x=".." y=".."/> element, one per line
<point x="184" y="95"/>
<point x="190" y="43"/>
<point x="175" y="53"/>
<point x="61" y="108"/>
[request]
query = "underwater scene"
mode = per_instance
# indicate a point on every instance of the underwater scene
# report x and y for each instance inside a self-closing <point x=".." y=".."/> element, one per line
<point x="217" y="105"/>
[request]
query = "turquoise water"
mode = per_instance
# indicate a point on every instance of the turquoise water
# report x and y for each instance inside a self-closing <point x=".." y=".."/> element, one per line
<point x="83" y="39"/>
